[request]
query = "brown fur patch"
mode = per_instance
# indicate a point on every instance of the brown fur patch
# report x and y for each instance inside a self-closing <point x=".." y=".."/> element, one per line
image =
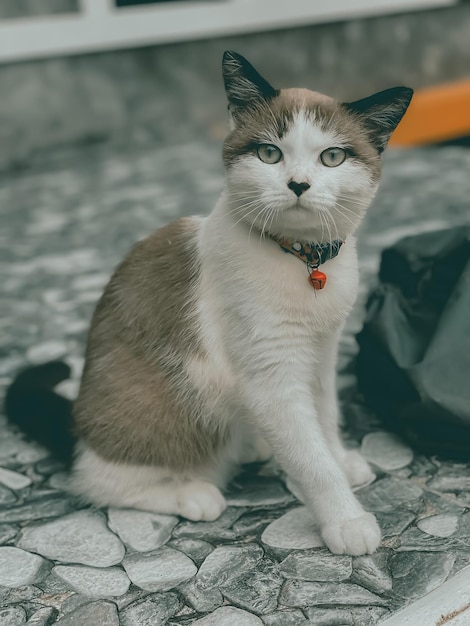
<point x="135" y="404"/>
<point x="272" y="118"/>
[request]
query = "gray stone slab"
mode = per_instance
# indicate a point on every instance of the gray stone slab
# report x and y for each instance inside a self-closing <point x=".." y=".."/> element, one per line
<point x="133" y="596"/>
<point x="101" y="612"/>
<point x="140" y="530"/>
<point x="423" y="466"/>
<point x="386" y="451"/>
<point x="213" y="532"/>
<point x="387" y="494"/>
<point x="11" y="445"/>
<point x="160" y="570"/>
<point x="254" y="522"/>
<point x="294" y="530"/>
<point x="80" y="537"/>
<point x="256" y="591"/>
<point x="19" y="568"/>
<point x="417" y="573"/>
<point x="17" y="595"/>
<point x="436" y="503"/>
<point x="453" y="478"/>
<point x="229" y="616"/>
<point x="394" y="522"/>
<point x="194" y="548"/>
<point x="297" y="593"/>
<point x="31" y="452"/>
<point x="285" y="618"/>
<point x="74" y="600"/>
<point x="373" y="573"/>
<point x="152" y="611"/>
<point x="12" y="616"/>
<point x="464" y="498"/>
<point x="13" y="480"/>
<point x="37" y="509"/>
<point x="7" y="533"/>
<point x="44" y="617"/>
<point x="258" y="491"/>
<point x="316" y="565"/>
<point x="439" y="525"/>
<point x="414" y="539"/>
<point x="203" y="599"/>
<point x="7" y="497"/>
<point x="94" y="582"/>
<point x="59" y="480"/>
<point x="228" y="562"/>
<point x="356" y="616"/>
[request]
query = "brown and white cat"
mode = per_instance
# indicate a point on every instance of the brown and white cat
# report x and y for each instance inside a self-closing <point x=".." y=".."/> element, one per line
<point x="210" y="347"/>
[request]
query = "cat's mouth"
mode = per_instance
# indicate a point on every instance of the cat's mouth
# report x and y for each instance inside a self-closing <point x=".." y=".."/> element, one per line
<point x="298" y="205"/>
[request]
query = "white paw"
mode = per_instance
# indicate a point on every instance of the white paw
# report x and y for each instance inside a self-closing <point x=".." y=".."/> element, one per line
<point x="360" y="535"/>
<point x="200" y="501"/>
<point x="357" y="469"/>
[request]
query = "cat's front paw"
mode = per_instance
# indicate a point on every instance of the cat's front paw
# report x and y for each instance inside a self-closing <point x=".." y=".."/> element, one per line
<point x="360" y="535"/>
<point x="357" y="469"/>
<point x="200" y="501"/>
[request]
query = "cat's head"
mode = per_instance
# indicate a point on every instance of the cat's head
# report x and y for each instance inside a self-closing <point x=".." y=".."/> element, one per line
<point x="299" y="163"/>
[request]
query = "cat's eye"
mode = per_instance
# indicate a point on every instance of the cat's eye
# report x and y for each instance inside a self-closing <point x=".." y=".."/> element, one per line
<point x="332" y="157"/>
<point x="269" y="153"/>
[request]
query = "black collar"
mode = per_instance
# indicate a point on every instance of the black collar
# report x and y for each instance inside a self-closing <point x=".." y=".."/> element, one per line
<point x="311" y="253"/>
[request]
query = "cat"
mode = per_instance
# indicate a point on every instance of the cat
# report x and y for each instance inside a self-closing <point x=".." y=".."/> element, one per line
<point x="215" y="341"/>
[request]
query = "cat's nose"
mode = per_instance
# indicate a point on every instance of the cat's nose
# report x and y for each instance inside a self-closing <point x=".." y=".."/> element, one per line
<point x="298" y="188"/>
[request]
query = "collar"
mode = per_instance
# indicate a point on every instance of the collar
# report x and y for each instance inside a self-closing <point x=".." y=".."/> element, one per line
<point x="313" y="255"/>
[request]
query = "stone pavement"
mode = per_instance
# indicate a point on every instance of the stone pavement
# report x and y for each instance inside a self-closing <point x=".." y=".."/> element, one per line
<point x="65" y="223"/>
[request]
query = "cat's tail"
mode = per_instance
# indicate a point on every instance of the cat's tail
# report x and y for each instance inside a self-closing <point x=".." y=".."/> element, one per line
<point x="42" y="414"/>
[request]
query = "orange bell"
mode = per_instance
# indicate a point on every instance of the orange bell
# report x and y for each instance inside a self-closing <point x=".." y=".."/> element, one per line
<point x="317" y="279"/>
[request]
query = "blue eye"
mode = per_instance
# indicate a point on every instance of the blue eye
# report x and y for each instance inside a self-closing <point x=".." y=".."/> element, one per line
<point x="332" y="157"/>
<point x="268" y="153"/>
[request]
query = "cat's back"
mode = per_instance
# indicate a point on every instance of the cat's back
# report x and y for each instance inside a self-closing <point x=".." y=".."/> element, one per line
<point x="152" y="293"/>
<point x="165" y="260"/>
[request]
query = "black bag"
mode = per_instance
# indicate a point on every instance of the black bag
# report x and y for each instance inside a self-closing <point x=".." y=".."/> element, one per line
<point x="414" y="361"/>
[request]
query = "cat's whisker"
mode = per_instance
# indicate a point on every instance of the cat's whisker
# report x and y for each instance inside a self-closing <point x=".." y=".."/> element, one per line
<point x="274" y="215"/>
<point x="363" y="203"/>
<point x="269" y="216"/>
<point x="333" y="222"/>
<point x="260" y="212"/>
<point x="243" y="208"/>
<point x="347" y="209"/>
<point x="327" y="216"/>
<point x="244" y="216"/>
<point x="338" y="208"/>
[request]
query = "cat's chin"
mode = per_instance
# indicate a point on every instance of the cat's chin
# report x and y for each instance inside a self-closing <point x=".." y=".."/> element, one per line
<point x="306" y="225"/>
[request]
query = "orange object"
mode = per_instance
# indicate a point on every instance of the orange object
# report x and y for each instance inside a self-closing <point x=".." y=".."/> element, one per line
<point x="435" y="114"/>
<point x="317" y="279"/>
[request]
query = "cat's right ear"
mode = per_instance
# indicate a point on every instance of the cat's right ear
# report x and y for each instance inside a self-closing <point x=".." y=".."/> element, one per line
<point x="243" y="84"/>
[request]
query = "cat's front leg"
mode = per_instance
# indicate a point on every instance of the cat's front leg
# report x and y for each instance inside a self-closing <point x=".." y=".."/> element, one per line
<point x="285" y="413"/>
<point x="355" y="467"/>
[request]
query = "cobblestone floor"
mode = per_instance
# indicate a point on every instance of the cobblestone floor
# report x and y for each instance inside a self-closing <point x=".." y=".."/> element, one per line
<point x="64" y="226"/>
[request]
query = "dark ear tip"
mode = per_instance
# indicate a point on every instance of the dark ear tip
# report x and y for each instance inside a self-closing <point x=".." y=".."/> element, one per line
<point x="230" y="55"/>
<point x="403" y="93"/>
<point x="408" y="91"/>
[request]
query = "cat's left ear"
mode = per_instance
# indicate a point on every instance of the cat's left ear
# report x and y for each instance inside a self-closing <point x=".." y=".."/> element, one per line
<point x="381" y="112"/>
<point x="243" y="84"/>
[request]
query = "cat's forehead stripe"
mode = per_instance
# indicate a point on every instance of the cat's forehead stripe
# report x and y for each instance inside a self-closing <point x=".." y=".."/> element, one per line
<point x="272" y="119"/>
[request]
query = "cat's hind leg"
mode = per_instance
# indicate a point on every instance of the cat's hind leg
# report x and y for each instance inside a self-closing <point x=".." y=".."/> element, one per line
<point x="155" y="489"/>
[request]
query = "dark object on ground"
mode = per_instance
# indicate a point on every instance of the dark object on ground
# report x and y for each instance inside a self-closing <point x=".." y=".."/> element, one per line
<point x="43" y="415"/>
<point x="414" y="361"/>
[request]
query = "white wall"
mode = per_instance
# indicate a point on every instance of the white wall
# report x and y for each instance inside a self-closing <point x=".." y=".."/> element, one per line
<point x="100" y="26"/>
